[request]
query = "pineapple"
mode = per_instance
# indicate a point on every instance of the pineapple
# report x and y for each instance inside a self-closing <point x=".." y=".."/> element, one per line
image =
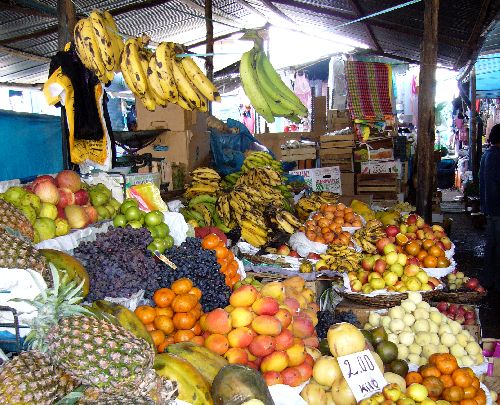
<point x="30" y="378"/>
<point x="15" y="253"/>
<point x="11" y="217"/>
<point x="95" y="352"/>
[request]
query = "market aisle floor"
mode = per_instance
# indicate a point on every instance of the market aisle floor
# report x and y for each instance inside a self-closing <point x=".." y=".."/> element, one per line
<point x="469" y="255"/>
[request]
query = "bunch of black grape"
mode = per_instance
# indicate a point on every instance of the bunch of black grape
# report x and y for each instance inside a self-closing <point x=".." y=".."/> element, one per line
<point x="118" y="263"/>
<point x="201" y="267"/>
<point x="328" y="318"/>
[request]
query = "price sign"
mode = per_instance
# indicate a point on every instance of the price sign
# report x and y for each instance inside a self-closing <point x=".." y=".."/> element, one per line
<point x="362" y="374"/>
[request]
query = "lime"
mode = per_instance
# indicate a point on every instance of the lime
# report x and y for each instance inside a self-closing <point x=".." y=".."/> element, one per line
<point x="120" y="221"/>
<point x="152" y="231"/>
<point x="102" y="212"/>
<point x="135" y="224"/>
<point x="129" y="202"/>
<point x="160" y="244"/>
<point x="133" y="214"/>
<point x="114" y="202"/>
<point x="169" y="242"/>
<point x="162" y="230"/>
<point x="110" y="209"/>
<point x="153" y="218"/>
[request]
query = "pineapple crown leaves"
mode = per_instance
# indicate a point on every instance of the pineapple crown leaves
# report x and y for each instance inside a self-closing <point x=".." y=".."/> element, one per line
<point x="59" y="301"/>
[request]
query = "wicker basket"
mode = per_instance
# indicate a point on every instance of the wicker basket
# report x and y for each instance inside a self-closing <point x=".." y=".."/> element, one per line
<point x="382" y="300"/>
<point x="462" y="297"/>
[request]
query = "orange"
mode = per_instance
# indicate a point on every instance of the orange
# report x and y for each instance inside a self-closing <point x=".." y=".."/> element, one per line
<point x="181" y="286"/>
<point x="461" y="378"/>
<point x="158" y="337"/>
<point x="164" y="311"/>
<point x="467" y="401"/>
<point x="221" y="252"/>
<point x="430" y="371"/>
<point x="196" y="328"/>
<point x="470" y="392"/>
<point x="164" y="323"/>
<point x="163" y="297"/>
<point x="196" y="311"/>
<point x="230" y="256"/>
<point x="184" y="303"/>
<point x="436" y="251"/>
<point x="475" y="382"/>
<point x="196" y="292"/>
<point x="430" y="262"/>
<point x="210" y="241"/>
<point x="433" y="359"/>
<point x="447" y="364"/>
<point x="184" y="320"/>
<point x="427" y="244"/>
<point x="454" y="394"/>
<point x="198" y="340"/>
<point x="150" y="327"/>
<point x="446" y="380"/>
<point x="145" y="313"/>
<point x="183" y="335"/>
<point x="421" y="255"/>
<point x="413" y="377"/>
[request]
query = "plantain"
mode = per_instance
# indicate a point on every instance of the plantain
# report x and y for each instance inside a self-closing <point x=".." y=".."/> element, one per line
<point x="192" y="385"/>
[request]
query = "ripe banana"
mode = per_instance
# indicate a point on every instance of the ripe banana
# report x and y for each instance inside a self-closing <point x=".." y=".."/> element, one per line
<point x="253" y="239"/>
<point x="254" y="228"/>
<point x="251" y="86"/>
<point x="184" y="86"/>
<point x="134" y="66"/>
<point x="291" y="219"/>
<point x="202" y="83"/>
<point x="164" y="69"/>
<point x="105" y="44"/>
<point x="154" y="81"/>
<point x="88" y="50"/>
<point x="192" y="385"/>
<point x="117" y="42"/>
<point x="283" y="224"/>
<point x="205" y="361"/>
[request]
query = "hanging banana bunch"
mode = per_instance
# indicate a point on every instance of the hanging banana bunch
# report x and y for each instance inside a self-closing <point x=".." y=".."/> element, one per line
<point x="269" y="95"/>
<point x="98" y="44"/>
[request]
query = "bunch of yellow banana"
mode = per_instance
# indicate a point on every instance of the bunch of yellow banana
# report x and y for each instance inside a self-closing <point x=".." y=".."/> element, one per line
<point x="368" y="235"/>
<point x="261" y="159"/>
<point x="306" y="205"/>
<point x="98" y="44"/>
<point x="342" y="258"/>
<point x="159" y="78"/>
<point x="204" y="181"/>
<point x="269" y="95"/>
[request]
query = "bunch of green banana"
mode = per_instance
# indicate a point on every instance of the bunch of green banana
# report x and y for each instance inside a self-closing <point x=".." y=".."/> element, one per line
<point x="261" y="159"/>
<point x="159" y="78"/>
<point x="342" y="258"/>
<point x="201" y="211"/>
<point x="98" y="44"/>
<point x="367" y="236"/>
<point x="204" y="181"/>
<point x="230" y="180"/>
<point x="269" y="95"/>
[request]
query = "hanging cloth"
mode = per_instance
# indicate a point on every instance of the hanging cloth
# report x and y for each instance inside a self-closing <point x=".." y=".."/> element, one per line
<point x="302" y="89"/>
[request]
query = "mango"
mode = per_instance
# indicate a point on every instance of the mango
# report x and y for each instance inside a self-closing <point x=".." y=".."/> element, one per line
<point x="296" y="354"/>
<point x="217" y="321"/>
<point x="276" y="361"/>
<point x="262" y="345"/>
<point x="241" y="316"/>
<point x="266" y="306"/>
<point x="243" y="296"/>
<point x="266" y="325"/>
<point x="240" y="337"/>
<point x="275" y="289"/>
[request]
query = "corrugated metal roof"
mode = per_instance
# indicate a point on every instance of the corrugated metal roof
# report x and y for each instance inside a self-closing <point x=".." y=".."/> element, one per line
<point x="397" y="33"/>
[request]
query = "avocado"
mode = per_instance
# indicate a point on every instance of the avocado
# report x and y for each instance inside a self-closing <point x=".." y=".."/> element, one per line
<point x="378" y="335"/>
<point x="324" y="348"/>
<point x="399" y="367"/>
<point x="368" y="336"/>
<point x="387" y="351"/>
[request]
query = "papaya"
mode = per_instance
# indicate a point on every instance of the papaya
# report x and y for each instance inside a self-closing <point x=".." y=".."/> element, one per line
<point x="193" y="387"/>
<point x="125" y="317"/>
<point x="236" y="384"/>
<point x="67" y="264"/>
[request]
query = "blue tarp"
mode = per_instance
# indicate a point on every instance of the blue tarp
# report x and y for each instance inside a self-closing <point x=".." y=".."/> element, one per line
<point x="30" y="144"/>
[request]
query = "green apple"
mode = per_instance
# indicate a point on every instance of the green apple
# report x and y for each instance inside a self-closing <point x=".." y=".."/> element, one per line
<point x="48" y="210"/>
<point x="129" y="202"/>
<point x="377" y="283"/>
<point x="367" y="289"/>
<point x="133" y="214"/>
<point x="120" y="221"/>
<point x="413" y="284"/>
<point x="134" y="224"/>
<point x="390" y="278"/>
<point x="153" y="218"/>
<point x="169" y="242"/>
<point x="102" y="212"/>
<point x="162" y="230"/>
<point x="391" y="258"/>
<point x="422" y="277"/>
<point x="115" y="203"/>
<point x="397" y="268"/>
<point x="402" y="259"/>
<point x="62" y="227"/>
<point x="97" y="198"/>
<point x="45" y="227"/>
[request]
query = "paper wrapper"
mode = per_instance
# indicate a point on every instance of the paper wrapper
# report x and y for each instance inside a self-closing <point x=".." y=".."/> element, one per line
<point x="286" y="395"/>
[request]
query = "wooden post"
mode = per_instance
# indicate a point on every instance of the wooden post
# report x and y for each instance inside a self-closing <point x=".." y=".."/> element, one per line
<point x="474" y="164"/>
<point x="426" y="113"/>
<point x="209" y="60"/>
<point x="66" y="24"/>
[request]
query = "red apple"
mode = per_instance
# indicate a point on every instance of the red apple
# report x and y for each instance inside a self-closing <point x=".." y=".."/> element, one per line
<point x="442" y="306"/>
<point x="293" y="253"/>
<point x="461" y="311"/>
<point x="412" y="260"/>
<point x="42" y="179"/>
<point x="460" y="319"/>
<point x="283" y="250"/>
<point x="412" y="219"/>
<point x="61" y="213"/>
<point x="470" y="315"/>
<point x="367" y="263"/>
<point x="392" y="230"/>
<point x="69" y="179"/>
<point x="66" y="197"/>
<point x="452" y="309"/>
<point x="91" y="213"/>
<point x="363" y="276"/>
<point x="446" y="242"/>
<point x="381" y="244"/>
<point x="472" y="284"/>
<point x="313" y="256"/>
<point x="380" y="266"/>
<point x="47" y="192"/>
<point x="81" y="197"/>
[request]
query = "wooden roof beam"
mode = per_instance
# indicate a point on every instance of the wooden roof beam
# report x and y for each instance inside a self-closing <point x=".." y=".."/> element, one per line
<point x="359" y="11"/>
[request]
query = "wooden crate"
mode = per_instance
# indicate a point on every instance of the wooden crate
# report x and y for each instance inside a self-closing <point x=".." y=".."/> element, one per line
<point x="337" y="119"/>
<point x="336" y="141"/>
<point x="383" y="186"/>
<point x="302" y="153"/>
<point x="336" y="150"/>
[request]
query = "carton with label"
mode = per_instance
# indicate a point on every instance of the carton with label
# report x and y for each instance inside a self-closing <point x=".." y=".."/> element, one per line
<point x="322" y="179"/>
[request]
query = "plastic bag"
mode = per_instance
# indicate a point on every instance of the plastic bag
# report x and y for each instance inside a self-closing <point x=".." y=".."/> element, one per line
<point x="148" y="196"/>
<point x="304" y="246"/>
<point x="228" y="150"/>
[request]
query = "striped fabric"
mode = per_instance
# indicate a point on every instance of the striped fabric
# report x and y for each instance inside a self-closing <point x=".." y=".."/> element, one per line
<point x="369" y="93"/>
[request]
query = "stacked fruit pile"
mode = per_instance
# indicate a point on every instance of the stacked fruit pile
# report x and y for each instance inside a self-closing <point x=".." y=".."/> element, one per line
<point x="420" y="330"/>
<point x="307" y="205"/>
<point x="328" y="385"/>
<point x="267" y="92"/>
<point x="204" y="180"/>
<point x="55" y="205"/>
<point x="325" y="226"/>
<point x="391" y="271"/>
<point x="175" y="317"/>
<point x="268" y="330"/>
<point x="343" y="259"/>
<point x="442" y="378"/>
<point x="225" y="258"/>
<point x="130" y="215"/>
<point x="368" y="236"/>
<point x="257" y="203"/>
<point x="457" y="281"/>
<point x="261" y="159"/>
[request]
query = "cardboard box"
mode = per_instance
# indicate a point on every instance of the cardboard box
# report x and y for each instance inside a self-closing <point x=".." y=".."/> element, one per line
<point x="347" y="199"/>
<point x="171" y="117"/>
<point x="374" y="167"/>
<point x="323" y="179"/>
<point x="190" y="148"/>
<point x="347" y="180"/>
